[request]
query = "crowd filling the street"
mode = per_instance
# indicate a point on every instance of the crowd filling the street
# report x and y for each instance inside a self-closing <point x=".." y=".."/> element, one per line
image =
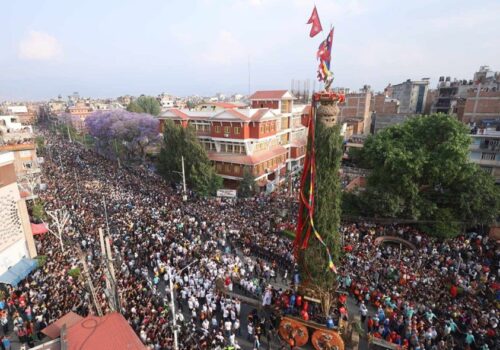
<point x="218" y="253"/>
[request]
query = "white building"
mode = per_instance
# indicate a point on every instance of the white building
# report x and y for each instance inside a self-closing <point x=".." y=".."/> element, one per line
<point x="17" y="248"/>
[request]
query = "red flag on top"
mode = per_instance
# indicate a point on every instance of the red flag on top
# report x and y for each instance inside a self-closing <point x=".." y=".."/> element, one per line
<point x="316" y="24"/>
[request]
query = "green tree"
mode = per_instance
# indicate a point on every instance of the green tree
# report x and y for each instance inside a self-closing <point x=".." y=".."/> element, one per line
<point x="134" y="107"/>
<point x="148" y="104"/>
<point x="200" y="174"/>
<point x="313" y="260"/>
<point x="40" y="144"/>
<point x="247" y="185"/>
<point x="420" y="171"/>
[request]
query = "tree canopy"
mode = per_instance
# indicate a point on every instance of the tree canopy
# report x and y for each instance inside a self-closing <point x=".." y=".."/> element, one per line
<point x="420" y="170"/>
<point x="246" y="188"/>
<point x="133" y="132"/>
<point x="200" y="174"/>
<point x="145" y="104"/>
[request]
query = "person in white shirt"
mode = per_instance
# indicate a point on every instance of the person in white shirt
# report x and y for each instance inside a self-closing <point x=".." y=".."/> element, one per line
<point x="236" y="327"/>
<point x="250" y="332"/>
<point x="363" y="311"/>
<point x="227" y="328"/>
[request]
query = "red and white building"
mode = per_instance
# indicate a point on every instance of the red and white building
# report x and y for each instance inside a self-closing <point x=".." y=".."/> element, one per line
<point x="268" y="138"/>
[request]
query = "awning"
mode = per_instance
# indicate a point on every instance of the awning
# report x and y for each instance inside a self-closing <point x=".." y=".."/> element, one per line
<point x="16" y="273"/>
<point x="38" y="229"/>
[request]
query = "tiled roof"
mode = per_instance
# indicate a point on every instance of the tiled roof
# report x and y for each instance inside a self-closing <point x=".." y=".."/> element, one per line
<point x="245" y="115"/>
<point x="178" y="113"/>
<point x="268" y="95"/>
<point x="259" y="114"/>
<point x="53" y="331"/>
<point x="253" y="159"/>
<point x="299" y="143"/>
<point x="221" y="104"/>
<point x="110" y="332"/>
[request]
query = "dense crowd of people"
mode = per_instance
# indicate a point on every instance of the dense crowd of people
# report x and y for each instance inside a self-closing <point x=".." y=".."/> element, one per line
<point x="438" y="295"/>
<point x="212" y="250"/>
<point x="155" y="236"/>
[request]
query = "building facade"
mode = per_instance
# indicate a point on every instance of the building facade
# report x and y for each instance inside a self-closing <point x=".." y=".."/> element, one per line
<point x="267" y="139"/>
<point x="357" y="107"/>
<point x="19" y="139"/>
<point x="79" y="112"/>
<point x="16" y="239"/>
<point x="481" y="104"/>
<point x="411" y="94"/>
<point x="485" y="152"/>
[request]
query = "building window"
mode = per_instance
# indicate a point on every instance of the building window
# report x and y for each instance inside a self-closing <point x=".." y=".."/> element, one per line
<point x="488" y="156"/>
<point x="27" y="165"/>
<point x="227" y="168"/>
<point x="219" y="167"/>
<point x="226" y="130"/>
<point x="217" y="129"/>
<point x="236" y="169"/>
<point x="236" y="130"/>
<point x="262" y="128"/>
<point x="267" y="128"/>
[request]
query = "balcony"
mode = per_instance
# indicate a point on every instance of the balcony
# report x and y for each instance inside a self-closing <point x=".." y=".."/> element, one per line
<point x="17" y="147"/>
<point x="487" y="162"/>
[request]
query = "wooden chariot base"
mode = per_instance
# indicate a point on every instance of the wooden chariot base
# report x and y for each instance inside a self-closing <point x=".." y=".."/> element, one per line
<point x="295" y="331"/>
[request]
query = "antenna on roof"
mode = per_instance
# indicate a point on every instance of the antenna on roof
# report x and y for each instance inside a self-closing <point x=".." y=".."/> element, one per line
<point x="248" y="75"/>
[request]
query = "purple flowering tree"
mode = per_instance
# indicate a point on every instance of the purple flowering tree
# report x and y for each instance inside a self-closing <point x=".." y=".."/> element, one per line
<point x="133" y="132"/>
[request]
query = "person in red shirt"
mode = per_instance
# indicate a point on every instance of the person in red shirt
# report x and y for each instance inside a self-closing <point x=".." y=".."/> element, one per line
<point x="369" y="324"/>
<point x="453" y="291"/>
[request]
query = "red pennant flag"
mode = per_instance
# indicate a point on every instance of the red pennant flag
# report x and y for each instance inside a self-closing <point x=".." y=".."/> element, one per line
<point x="316" y="24"/>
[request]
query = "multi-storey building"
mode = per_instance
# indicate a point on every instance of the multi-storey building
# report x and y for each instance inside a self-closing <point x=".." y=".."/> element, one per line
<point x="17" y="247"/>
<point x="470" y="100"/>
<point x="411" y="95"/>
<point x="266" y="139"/>
<point x="449" y="94"/>
<point x="79" y="112"/>
<point x="357" y="108"/>
<point x="485" y="151"/>
<point x="19" y="139"/>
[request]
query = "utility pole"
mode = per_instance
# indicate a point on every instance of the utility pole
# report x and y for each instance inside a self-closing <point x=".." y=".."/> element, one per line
<point x="172" y="307"/>
<point x="69" y="134"/>
<point x="109" y="271"/>
<point x="60" y="162"/>
<point x="184" y="196"/>
<point x="77" y="183"/>
<point x="117" y="156"/>
<point x="105" y="213"/>
<point x="86" y="275"/>
<point x="172" y="303"/>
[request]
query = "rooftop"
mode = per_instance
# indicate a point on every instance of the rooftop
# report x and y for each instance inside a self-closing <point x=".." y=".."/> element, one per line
<point x="244" y="114"/>
<point x="108" y="332"/>
<point x="253" y="159"/>
<point x="271" y="95"/>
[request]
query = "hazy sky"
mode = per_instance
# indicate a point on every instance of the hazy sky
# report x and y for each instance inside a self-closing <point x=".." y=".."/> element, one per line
<point x="108" y="48"/>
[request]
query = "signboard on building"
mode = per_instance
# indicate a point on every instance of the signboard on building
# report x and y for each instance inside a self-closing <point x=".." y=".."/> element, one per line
<point x="226" y="193"/>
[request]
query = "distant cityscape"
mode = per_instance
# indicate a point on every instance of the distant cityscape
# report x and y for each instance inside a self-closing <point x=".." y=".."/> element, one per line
<point x="267" y="130"/>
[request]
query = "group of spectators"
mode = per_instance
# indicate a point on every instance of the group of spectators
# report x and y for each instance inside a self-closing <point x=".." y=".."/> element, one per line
<point x="205" y="245"/>
<point x="427" y="293"/>
<point x="212" y="251"/>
